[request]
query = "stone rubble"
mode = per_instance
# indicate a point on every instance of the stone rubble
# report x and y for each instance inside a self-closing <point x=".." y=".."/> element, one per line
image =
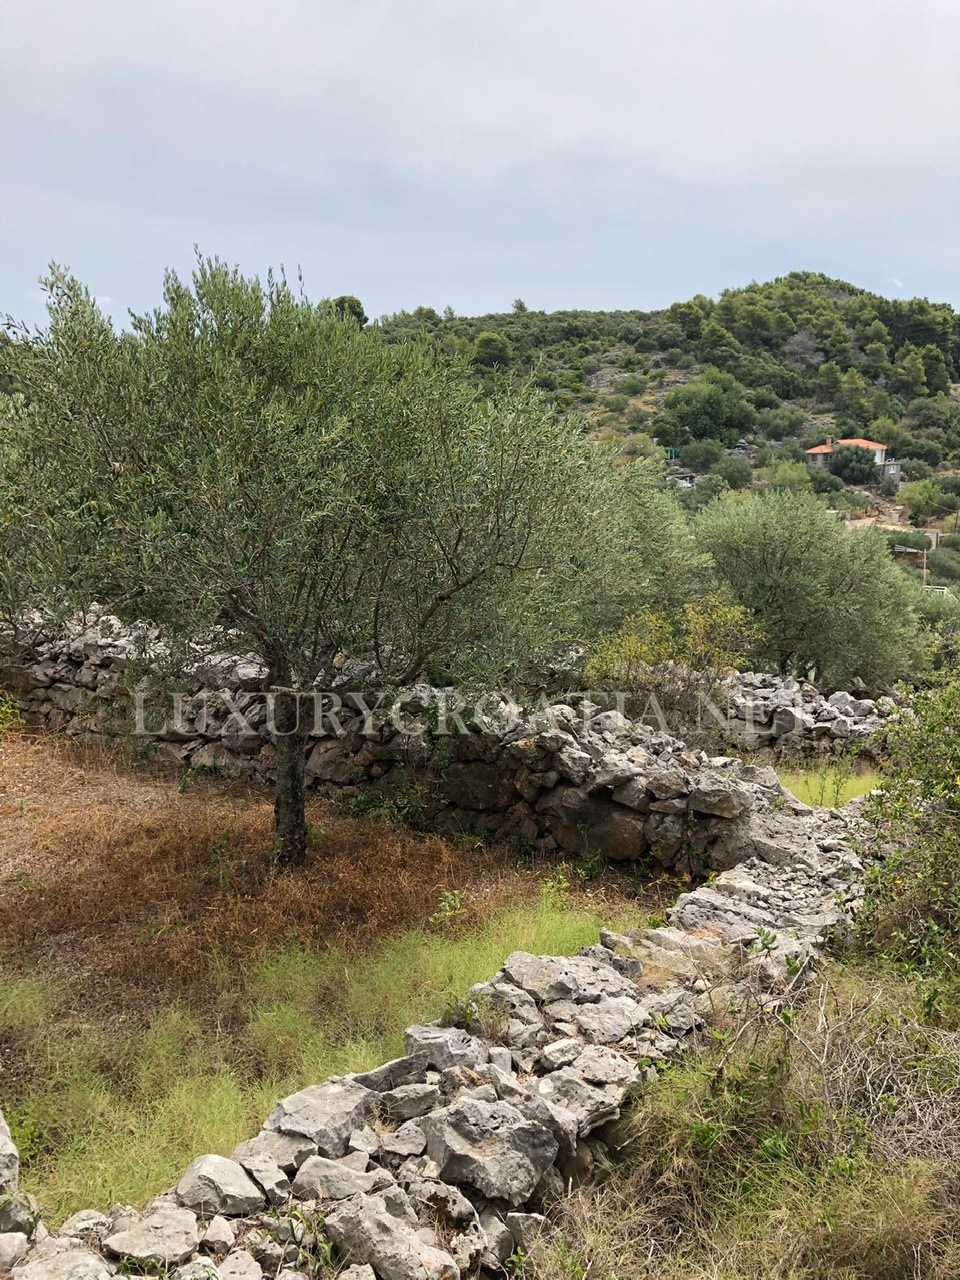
<point x="777" y="711"/>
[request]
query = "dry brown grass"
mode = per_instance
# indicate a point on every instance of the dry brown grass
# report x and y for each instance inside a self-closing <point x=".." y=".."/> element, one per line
<point x="120" y="879"/>
<point x="134" y="888"/>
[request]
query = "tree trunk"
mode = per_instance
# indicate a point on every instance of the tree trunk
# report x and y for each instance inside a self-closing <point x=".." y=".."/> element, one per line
<point x="290" y="796"/>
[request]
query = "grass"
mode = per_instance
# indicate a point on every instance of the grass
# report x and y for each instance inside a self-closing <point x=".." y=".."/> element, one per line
<point x="162" y="984"/>
<point x="829" y="1147"/>
<point x="115" y="1114"/>
<point x="832" y="784"/>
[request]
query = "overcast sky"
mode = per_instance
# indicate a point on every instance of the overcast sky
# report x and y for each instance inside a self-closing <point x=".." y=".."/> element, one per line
<point x="576" y="153"/>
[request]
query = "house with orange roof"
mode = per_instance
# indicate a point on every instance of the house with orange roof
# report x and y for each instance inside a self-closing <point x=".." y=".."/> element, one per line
<point x="819" y="455"/>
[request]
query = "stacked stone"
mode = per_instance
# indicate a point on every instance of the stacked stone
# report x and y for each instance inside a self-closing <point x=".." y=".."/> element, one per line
<point x="771" y="711"/>
<point x="571" y="777"/>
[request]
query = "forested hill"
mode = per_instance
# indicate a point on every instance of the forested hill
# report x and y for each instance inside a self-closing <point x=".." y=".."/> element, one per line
<point x="784" y="361"/>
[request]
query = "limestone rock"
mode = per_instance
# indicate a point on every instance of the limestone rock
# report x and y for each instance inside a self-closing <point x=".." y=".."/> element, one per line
<point x="198" y="1269"/>
<point x="327" y="1114"/>
<point x="365" y="1231"/>
<point x="9" y="1159"/>
<point x="322" y="1179"/>
<point x="220" y="1235"/>
<point x="526" y="1229"/>
<point x="289" y="1150"/>
<point x="490" y="1146"/>
<point x="56" y="1259"/>
<point x="446" y="1047"/>
<point x="89" y="1226"/>
<point x="269" y="1177"/>
<point x="611" y="1020"/>
<point x="13" y="1249"/>
<point x="410" y="1101"/>
<point x="240" y="1265"/>
<point x="408" y="1140"/>
<point x="213" y="1184"/>
<point x="18" y="1213"/>
<point x="167" y="1235"/>
<point x="715" y="794"/>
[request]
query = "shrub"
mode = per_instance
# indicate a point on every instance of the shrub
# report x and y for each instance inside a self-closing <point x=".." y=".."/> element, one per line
<point x="827" y="599"/>
<point x="913" y="908"/>
<point x="670" y="664"/>
<point x="736" y="472"/>
<point x="944" y="563"/>
<point x="701" y="455"/>
<point x="823" y="481"/>
<point x="853" y="465"/>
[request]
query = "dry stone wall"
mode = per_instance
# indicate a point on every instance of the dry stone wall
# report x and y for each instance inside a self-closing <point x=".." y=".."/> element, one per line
<point x="570" y="776"/>
<point x="762" y="710"/>
<point x="444" y="1162"/>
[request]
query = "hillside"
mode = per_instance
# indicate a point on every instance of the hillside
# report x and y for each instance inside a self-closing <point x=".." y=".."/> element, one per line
<point x="799" y="358"/>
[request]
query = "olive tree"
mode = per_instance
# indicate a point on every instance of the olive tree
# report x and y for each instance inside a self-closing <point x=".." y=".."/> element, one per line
<point x="827" y="600"/>
<point x="243" y="466"/>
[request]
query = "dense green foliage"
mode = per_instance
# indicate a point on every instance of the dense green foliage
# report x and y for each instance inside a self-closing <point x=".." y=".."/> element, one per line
<point x="914" y="905"/>
<point x="828" y="601"/>
<point x="758" y="361"/>
<point x="853" y="465"/>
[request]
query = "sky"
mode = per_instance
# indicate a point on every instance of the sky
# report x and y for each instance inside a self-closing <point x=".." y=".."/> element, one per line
<point x="575" y="153"/>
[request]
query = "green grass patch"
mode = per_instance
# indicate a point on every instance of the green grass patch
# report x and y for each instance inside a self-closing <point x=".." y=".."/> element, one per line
<point x="116" y="1115"/>
<point x="820" y="1144"/>
<point x="830" y="784"/>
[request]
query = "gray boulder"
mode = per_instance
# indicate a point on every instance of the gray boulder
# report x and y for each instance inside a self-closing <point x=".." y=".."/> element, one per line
<point x="213" y="1184"/>
<point x="13" y="1249"/>
<point x="410" y="1101"/>
<point x="268" y="1175"/>
<point x="365" y="1231"/>
<point x="611" y="1020"/>
<point x="198" y="1269"/>
<point x="220" y="1235"/>
<point x="720" y="796"/>
<point x="240" y="1265"/>
<point x="444" y="1047"/>
<point x="289" y="1150"/>
<point x="165" y="1236"/>
<point x="9" y="1159"/>
<point x="89" y="1226"/>
<point x="526" y="1229"/>
<point x="327" y="1114"/>
<point x="490" y="1146"/>
<point x="322" y="1179"/>
<point x="18" y="1213"/>
<point x="591" y="1106"/>
<point x="56" y="1259"/>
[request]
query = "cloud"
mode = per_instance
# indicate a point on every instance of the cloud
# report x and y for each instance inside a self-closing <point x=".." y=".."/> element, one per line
<point x="601" y="154"/>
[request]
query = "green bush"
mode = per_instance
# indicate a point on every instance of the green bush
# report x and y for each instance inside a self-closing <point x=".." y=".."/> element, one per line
<point x="944" y="563"/>
<point x="824" y="481"/>
<point x="9" y="715"/>
<point x="913" y="908"/>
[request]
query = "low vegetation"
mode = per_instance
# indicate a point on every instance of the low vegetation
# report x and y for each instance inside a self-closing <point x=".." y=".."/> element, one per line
<point x="820" y="1141"/>
<point x="824" y="1146"/>
<point x="832" y="783"/>
<point x="161" y="984"/>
